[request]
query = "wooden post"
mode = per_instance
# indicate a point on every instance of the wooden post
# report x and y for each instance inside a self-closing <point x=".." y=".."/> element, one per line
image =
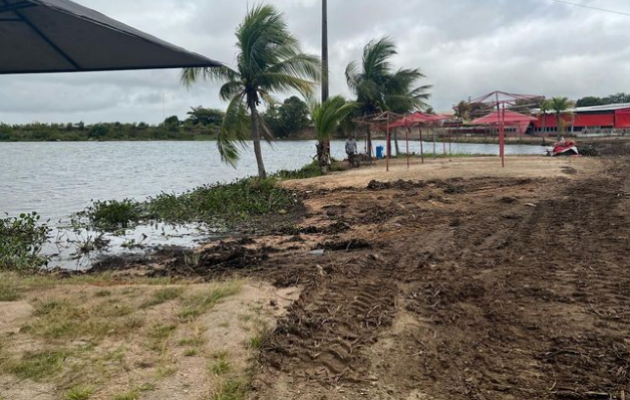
<point x="421" y="144"/>
<point x="389" y="144"/>
<point x="501" y="116"/>
<point x="407" y="140"/>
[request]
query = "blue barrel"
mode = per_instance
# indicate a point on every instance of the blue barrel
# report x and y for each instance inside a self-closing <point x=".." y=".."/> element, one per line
<point x="379" y="152"/>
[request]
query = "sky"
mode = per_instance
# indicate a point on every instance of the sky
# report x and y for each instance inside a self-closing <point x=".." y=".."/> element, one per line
<point x="466" y="48"/>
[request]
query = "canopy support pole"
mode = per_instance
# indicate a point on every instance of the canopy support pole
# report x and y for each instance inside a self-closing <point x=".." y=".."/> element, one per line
<point x="389" y="144"/>
<point x="421" y="144"/>
<point x="501" y="114"/>
<point x="407" y="140"/>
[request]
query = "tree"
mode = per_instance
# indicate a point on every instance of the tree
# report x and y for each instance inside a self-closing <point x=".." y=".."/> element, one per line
<point x="378" y="88"/>
<point x="205" y="116"/>
<point x="292" y="117"/>
<point x="560" y="105"/>
<point x="326" y="118"/>
<point x="269" y="60"/>
<point x="589" y="101"/>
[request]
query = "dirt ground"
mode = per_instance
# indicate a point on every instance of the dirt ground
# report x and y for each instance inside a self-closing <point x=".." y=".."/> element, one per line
<point x="449" y="281"/>
<point x="473" y="167"/>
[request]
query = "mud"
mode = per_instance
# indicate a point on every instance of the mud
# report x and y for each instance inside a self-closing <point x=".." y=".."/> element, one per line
<point x="481" y="288"/>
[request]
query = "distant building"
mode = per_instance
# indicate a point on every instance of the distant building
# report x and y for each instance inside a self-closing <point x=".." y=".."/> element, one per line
<point x="586" y="119"/>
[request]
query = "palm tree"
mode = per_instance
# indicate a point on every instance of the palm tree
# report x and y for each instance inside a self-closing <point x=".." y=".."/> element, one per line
<point x="269" y="60"/>
<point x="378" y="88"/>
<point x="326" y="118"/>
<point x="560" y="105"/>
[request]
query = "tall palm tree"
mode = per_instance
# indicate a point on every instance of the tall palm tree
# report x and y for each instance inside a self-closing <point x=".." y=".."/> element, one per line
<point x="378" y="88"/>
<point x="269" y="60"/>
<point x="560" y="105"/>
<point x="326" y="118"/>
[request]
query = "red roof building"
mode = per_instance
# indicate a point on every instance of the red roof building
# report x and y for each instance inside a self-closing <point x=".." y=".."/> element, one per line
<point x="612" y="116"/>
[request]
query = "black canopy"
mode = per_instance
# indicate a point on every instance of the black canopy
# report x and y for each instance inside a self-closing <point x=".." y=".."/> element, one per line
<point x="38" y="36"/>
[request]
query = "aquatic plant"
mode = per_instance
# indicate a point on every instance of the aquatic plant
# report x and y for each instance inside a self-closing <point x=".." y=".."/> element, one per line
<point x="21" y="241"/>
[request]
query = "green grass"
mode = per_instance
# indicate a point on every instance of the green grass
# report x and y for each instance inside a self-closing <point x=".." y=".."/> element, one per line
<point x="130" y="395"/>
<point x="233" y="389"/>
<point x="200" y="303"/>
<point x="9" y="291"/>
<point x="80" y="393"/>
<point x="220" y="365"/>
<point x="36" y="366"/>
<point x="162" y="296"/>
<point x="191" y="353"/>
<point x="103" y="293"/>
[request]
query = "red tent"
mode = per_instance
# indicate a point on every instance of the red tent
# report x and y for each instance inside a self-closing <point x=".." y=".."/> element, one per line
<point x="511" y="118"/>
<point x="417" y="118"/>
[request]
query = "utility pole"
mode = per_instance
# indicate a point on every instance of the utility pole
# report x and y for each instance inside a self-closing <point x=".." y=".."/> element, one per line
<point x="325" y="87"/>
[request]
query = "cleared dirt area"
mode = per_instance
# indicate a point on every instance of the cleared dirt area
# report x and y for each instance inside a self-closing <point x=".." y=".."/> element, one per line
<point x="470" y="283"/>
<point x="474" y="167"/>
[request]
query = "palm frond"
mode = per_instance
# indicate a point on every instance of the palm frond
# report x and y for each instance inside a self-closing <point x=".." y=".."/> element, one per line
<point x="235" y="130"/>
<point x="328" y="115"/>
<point x="189" y="76"/>
<point x="278" y="82"/>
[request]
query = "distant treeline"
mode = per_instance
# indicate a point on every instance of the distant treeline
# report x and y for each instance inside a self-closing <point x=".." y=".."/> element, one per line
<point x="287" y="120"/>
<point x="201" y="124"/>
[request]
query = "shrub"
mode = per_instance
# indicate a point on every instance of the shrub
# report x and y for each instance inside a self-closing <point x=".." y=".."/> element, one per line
<point x="21" y="241"/>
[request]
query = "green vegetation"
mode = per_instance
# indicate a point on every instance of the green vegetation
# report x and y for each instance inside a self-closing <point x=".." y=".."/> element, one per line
<point x="202" y="124"/>
<point x="130" y="395"/>
<point x="287" y="119"/>
<point x="80" y="393"/>
<point x="590" y="101"/>
<point x="560" y="106"/>
<point x="162" y="296"/>
<point x="270" y="60"/>
<point x="379" y="88"/>
<point x="200" y="303"/>
<point x="326" y="117"/>
<point x="233" y="389"/>
<point x="221" y="364"/>
<point x="36" y="366"/>
<point x="21" y="241"/>
<point x="217" y="203"/>
<point x="9" y="291"/>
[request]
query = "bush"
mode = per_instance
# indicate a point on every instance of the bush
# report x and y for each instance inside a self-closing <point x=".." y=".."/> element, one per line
<point x="233" y="202"/>
<point x="21" y="241"/>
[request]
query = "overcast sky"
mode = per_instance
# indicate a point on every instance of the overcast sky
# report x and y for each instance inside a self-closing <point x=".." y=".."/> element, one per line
<point x="465" y="47"/>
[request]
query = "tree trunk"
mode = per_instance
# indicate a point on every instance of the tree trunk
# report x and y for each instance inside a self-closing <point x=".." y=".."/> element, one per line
<point x="396" y="142"/>
<point x="262" y="174"/>
<point x="558" y="118"/>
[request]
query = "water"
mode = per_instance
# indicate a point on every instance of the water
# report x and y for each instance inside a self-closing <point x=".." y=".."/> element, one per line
<point x="59" y="179"/>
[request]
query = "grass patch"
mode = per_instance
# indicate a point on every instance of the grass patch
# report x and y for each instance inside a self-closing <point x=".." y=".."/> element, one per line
<point x="233" y="389"/>
<point x="130" y="395"/>
<point x="9" y="291"/>
<point x="80" y="393"/>
<point x="162" y="296"/>
<point x="103" y="293"/>
<point x="165" y="372"/>
<point x="159" y="335"/>
<point x="256" y="342"/>
<point x="200" y="303"/>
<point x="191" y="353"/>
<point x="220" y="365"/>
<point x="37" y="366"/>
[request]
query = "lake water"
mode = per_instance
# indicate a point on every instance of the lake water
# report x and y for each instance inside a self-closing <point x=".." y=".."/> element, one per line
<point x="58" y="179"/>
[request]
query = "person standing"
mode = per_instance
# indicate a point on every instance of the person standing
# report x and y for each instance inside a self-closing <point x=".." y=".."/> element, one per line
<point x="351" y="150"/>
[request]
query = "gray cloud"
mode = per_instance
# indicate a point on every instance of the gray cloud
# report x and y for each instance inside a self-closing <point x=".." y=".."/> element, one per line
<point x="465" y="47"/>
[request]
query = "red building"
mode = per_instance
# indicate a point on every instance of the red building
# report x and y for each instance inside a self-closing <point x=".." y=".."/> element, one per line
<point x="592" y="119"/>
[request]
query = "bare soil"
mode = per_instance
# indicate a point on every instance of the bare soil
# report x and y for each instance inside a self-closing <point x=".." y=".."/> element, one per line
<point x="453" y="280"/>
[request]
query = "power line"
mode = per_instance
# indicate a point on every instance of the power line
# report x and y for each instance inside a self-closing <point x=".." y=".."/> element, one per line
<point x="627" y="14"/>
